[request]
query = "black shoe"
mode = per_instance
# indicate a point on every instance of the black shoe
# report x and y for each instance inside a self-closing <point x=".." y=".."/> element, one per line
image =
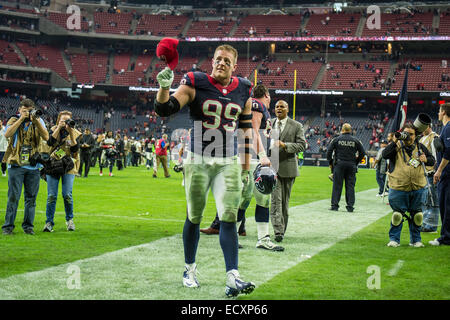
<point x="279" y="237"/>
<point x="333" y="209"/>
<point x="29" y="231"/>
<point x="7" y="232"/>
<point x="350" y="209"/>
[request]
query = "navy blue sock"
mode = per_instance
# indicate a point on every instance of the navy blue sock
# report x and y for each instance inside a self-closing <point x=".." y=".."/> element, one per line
<point x="229" y="242"/>
<point x="191" y="236"/>
<point x="261" y="214"/>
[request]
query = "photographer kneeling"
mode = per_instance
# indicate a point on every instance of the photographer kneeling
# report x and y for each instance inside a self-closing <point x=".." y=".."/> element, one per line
<point x="407" y="183"/>
<point x="64" y="164"/>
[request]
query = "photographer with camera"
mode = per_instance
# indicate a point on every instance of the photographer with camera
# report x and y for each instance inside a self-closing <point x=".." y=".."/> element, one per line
<point x="109" y="153"/>
<point x="24" y="132"/>
<point x="407" y="183"/>
<point x="63" y="147"/>
<point x="86" y="145"/>
<point x="3" y="146"/>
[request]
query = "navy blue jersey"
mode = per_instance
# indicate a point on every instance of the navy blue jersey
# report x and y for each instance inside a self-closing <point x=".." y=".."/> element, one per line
<point x="216" y="109"/>
<point x="445" y="138"/>
<point x="258" y="106"/>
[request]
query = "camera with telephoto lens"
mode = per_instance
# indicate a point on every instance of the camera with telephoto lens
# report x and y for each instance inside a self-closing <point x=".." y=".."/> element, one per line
<point x="70" y="123"/>
<point x="37" y="113"/>
<point x="41" y="158"/>
<point x="402" y="135"/>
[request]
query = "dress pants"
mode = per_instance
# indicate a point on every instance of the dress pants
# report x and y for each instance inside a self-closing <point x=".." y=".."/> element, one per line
<point x="280" y="205"/>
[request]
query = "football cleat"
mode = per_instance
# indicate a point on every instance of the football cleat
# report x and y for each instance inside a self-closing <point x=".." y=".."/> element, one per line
<point x="266" y="244"/>
<point x="190" y="277"/>
<point x="265" y="179"/>
<point x="235" y="285"/>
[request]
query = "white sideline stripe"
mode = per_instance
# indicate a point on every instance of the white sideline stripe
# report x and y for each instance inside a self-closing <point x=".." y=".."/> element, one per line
<point x="396" y="268"/>
<point x="154" y="270"/>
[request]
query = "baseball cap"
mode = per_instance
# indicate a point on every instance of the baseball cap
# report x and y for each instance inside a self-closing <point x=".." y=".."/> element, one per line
<point x="167" y="48"/>
<point x="384" y="141"/>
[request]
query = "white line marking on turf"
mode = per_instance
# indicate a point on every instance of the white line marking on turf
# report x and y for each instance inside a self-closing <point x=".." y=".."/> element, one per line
<point x="154" y="270"/>
<point x="396" y="268"/>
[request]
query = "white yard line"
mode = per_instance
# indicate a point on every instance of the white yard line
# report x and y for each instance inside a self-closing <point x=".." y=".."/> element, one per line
<point x="154" y="270"/>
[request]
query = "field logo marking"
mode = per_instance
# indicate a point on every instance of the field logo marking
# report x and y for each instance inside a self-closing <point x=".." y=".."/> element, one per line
<point x="374" y="281"/>
<point x="74" y="279"/>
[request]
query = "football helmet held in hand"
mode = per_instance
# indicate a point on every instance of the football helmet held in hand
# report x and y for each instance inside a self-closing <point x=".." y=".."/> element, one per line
<point x="265" y="179"/>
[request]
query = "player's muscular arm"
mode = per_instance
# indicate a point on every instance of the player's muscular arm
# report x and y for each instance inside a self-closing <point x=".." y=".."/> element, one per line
<point x="166" y="104"/>
<point x="258" y="146"/>
<point x="246" y="128"/>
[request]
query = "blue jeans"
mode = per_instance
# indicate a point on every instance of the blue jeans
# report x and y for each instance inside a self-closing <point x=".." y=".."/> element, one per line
<point x="430" y="212"/>
<point x="381" y="177"/>
<point x="17" y="178"/>
<point x="52" y="190"/>
<point x="406" y="201"/>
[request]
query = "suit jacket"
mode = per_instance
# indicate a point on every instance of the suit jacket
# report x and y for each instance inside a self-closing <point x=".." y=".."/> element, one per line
<point x="294" y="138"/>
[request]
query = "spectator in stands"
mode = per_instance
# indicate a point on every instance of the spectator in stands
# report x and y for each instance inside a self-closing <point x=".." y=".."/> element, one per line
<point x="24" y="133"/>
<point x="63" y="141"/>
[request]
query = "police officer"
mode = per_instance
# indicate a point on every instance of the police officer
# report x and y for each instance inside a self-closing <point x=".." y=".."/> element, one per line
<point x="348" y="152"/>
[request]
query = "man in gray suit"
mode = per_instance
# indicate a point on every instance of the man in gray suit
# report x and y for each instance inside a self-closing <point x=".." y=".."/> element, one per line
<point x="288" y="139"/>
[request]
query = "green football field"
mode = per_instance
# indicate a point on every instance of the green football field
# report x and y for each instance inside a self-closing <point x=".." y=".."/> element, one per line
<point x="127" y="245"/>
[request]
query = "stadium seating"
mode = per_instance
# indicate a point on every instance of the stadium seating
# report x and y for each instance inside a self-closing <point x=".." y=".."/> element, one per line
<point x="341" y="75"/>
<point x="444" y="24"/>
<point x="269" y="25"/>
<point x="430" y="75"/>
<point x="210" y="28"/>
<point x="306" y="73"/>
<point x="116" y="23"/>
<point x="420" y="24"/>
<point x="333" y="24"/>
<point x="80" y="67"/>
<point x="163" y="25"/>
<point x="98" y="64"/>
<point x="44" y="56"/>
<point x="61" y="20"/>
<point x="9" y="56"/>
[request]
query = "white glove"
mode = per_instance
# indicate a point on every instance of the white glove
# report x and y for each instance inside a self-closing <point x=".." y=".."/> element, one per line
<point x="165" y="78"/>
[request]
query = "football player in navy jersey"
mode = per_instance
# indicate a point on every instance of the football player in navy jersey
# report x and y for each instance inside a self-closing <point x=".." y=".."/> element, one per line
<point x="261" y="126"/>
<point x="219" y="104"/>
